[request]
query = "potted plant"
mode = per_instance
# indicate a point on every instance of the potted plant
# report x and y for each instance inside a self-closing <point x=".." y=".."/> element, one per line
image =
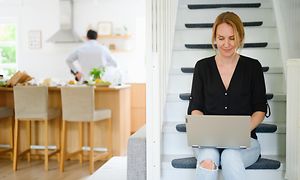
<point x="97" y="73"/>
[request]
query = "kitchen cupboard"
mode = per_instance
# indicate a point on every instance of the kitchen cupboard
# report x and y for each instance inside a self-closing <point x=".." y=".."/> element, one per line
<point x="117" y="99"/>
<point x="138" y="106"/>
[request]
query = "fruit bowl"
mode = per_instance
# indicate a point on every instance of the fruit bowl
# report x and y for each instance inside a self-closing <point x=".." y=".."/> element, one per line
<point x="102" y="84"/>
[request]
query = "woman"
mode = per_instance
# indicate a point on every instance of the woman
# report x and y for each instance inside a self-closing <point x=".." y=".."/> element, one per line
<point x="228" y="84"/>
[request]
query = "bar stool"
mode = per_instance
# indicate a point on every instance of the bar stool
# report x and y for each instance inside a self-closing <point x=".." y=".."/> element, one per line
<point x="7" y="113"/>
<point x="31" y="104"/>
<point x="78" y="105"/>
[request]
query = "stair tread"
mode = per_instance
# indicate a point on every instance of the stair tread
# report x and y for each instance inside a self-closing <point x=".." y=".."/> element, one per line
<point x="229" y="5"/>
<point x="209" y="25"/>
<point x="186" y="96"/>
<point x="171" y="126"/>
<point x="262" y="128"/>
<point x="191" y="69"/>
<point x="209" y="46"/>
<point x="262" y="163"/>
<point x="264" y="3"/>
<point x="167" y="159"/>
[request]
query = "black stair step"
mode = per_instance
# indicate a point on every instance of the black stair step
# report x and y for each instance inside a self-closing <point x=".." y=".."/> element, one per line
<point x="209" y="25"/>
<point x="269" y="96"/>
<point x="186" y="96"/>
<point x="261" y="163"/>
<point x="262" y="128"/>
<point x="209" y="46"/>
<point x="265" y="68"/>
<point x="233" y="5"/>
<point x="191" y="69"/>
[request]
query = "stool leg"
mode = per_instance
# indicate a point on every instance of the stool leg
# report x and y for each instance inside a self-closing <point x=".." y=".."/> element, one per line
<point x="46" y="145"/>
<point x="110" y="151"/>
<point x="58" y="139"/>
<point x="80" y="142"/>
<point x="91" y="153"/>
<point x="63" y="136"/>
<point x="16" y="145"/>
<point x="11" y="137"/>
<point x="29" y="139"/>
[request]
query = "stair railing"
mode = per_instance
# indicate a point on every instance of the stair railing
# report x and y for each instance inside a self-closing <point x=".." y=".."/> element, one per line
<point x="160" y="28"/>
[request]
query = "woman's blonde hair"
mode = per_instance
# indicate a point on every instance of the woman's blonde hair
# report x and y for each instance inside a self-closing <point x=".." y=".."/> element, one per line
<point x="235" y="22"/>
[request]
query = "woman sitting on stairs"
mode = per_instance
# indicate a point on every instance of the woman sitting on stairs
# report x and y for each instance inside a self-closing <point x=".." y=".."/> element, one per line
<point x="228" y="84"/>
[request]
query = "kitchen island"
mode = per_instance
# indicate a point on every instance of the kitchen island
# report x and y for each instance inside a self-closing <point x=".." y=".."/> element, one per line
<point x="115" y="98"/>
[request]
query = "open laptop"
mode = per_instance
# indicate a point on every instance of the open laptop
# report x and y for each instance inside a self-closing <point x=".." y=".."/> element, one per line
<point x="218" y="131"/>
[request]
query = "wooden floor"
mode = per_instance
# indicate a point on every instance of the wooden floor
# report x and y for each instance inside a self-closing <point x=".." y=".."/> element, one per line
<point x="35" y="170"/>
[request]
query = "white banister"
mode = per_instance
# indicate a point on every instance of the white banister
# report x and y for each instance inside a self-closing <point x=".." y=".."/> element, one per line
<point x="293" y="120"/>
<point x="160" y="28"/>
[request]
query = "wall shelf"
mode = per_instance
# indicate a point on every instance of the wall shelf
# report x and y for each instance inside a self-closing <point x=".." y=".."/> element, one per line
<point x="116" y="43"/>
<point x="120" y="51"/>
<point x="114" y="36"/>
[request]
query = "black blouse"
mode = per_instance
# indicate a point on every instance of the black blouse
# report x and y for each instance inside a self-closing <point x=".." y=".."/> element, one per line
<point x="245" y="95"/>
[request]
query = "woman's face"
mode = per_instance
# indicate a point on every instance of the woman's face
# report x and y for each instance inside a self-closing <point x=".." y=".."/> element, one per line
<point x="225" y="40"/>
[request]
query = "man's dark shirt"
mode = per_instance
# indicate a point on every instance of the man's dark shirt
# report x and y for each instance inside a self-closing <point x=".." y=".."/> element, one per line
<point x="245" y="95"/>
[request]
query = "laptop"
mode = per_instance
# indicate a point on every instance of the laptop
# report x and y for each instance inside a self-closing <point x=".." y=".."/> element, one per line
<point x="218" y="131"/>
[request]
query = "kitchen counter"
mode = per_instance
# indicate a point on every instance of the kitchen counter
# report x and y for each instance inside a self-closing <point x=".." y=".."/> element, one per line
<point x="115" y="98"/>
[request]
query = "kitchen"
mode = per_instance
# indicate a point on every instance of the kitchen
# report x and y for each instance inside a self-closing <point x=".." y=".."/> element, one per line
<point x="36" y="21"/>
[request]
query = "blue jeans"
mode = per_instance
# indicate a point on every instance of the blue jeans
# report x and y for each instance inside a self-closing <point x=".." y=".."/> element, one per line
<point x="233" y="161"/>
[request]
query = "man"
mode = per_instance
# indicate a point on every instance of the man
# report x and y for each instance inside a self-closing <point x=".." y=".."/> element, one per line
<point x="90" y="55"/>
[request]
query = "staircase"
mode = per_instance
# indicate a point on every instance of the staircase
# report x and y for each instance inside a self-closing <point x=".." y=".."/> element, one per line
<point x="192" y="43"/>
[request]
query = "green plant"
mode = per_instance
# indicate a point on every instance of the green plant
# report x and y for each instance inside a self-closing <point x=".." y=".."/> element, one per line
<point x="8" y="54"/>
<point x="8" y="32"/>
<point x="97" y="73"/>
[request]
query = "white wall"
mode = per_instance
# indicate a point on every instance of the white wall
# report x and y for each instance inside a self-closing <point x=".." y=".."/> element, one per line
<point x="49" y="61"/>
<point x="288" y="24"/>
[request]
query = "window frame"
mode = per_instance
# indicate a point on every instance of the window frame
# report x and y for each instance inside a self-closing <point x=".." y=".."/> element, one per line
<point x="14" y="43"/>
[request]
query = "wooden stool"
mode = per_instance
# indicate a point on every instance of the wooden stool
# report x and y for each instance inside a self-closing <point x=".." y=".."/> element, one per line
<point x="31" y="104"/>
<point x="78" y="105"/>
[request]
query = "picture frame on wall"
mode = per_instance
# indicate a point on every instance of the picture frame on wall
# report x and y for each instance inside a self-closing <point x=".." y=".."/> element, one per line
<point x="35" y="39"/>
<point x="104" y="28"/>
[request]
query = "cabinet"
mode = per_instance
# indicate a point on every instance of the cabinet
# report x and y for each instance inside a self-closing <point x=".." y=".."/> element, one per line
<point x="116" y="43"/>
<point x="138" y="106"/>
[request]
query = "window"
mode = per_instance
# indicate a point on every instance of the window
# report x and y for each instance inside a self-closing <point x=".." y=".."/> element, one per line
<point x="8" y="44"/>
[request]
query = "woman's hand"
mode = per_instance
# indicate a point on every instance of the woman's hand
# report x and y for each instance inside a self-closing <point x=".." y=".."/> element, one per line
<point x="78" y="76"/>
<point x="196" y="112"/>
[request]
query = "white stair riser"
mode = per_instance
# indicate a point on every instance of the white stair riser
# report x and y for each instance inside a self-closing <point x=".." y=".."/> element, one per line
<point x="274" y="83"/>
<point x="182" y="83"/>
<point x="278" y="112"/>
<point x="176" y="111"/>
<point x="189" y="174"/>
<point x="208" y="15"/>
<point x="267" y="57"/>
<point x="271" y="143"/>
<point x="176" y="143"/>
<point x="203" y="36"/>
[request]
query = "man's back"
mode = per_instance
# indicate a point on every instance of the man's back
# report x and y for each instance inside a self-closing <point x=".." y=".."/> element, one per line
<point x="90" y="55"/>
